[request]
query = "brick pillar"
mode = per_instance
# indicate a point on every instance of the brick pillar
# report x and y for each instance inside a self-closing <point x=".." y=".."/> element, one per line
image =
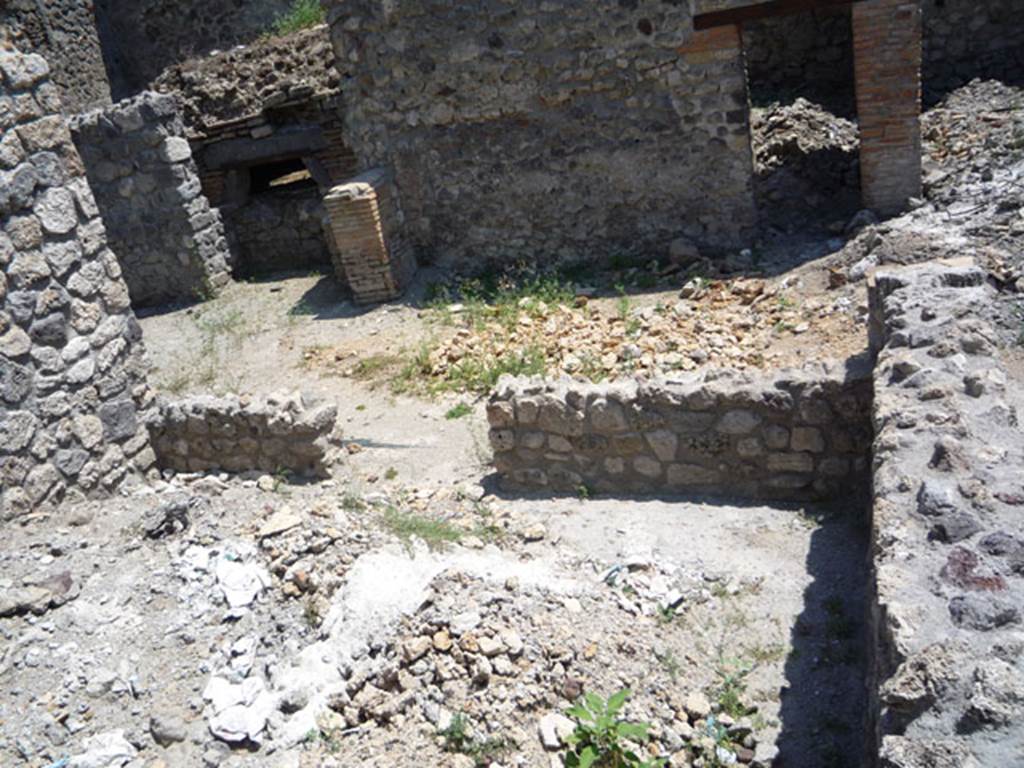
<point x="887" y="67"/>
<point x="370" y="253"/>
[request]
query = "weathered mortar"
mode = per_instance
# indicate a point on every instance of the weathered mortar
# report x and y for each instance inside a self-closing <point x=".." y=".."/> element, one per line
<point x="795" y="435"/>
<point x="232" y="433"/>
<point x="169" y="241"/>
<point x="71" y="371"/>
<point x="947" y="546"/>
<point x="543" y="129"/>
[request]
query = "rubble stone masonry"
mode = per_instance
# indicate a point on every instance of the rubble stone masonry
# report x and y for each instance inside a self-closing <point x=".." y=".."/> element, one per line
<point x="64" y="32"/>
<point x="795" y="435"/>
<point x="545" y="130"/>
<point x="169" y="241"/>
<point x="71" y="374"/>
<point x="947" y="549"/>
<point x="274" y="433"/>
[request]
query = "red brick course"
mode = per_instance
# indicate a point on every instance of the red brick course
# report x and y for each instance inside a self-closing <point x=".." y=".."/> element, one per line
<point x="887" y="68"/>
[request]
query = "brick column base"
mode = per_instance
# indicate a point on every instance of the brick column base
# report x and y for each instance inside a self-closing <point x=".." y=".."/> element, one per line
<point x="887" y="68"/>
<point x="370" y="253"/>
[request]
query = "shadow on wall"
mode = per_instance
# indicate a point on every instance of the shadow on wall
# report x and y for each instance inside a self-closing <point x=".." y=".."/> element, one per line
<point x="824" y="704"/>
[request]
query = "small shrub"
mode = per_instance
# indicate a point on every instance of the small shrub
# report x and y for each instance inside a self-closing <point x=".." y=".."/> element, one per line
<point x="391" y="473"/>
<point x="302" y="15"/>
<point x="601" y="739"/>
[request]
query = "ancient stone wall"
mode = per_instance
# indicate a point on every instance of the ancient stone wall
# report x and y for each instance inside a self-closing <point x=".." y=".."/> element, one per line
<point x="277" y="231"/>
<point x="810" y="54"/>
<point x="796" y="435"/>
<point x="232" y="433"/>
<point x="803" y="54"/>
<point x="964" y="39"/>
<point x="71" y="373"/>
<point x="64" y="33"/>
<point x="541" y="130"/>
<point x="170" y="243"/>
<point x="947" y="544"/>
<point x="143" y="37"/>
<point x="243" y="81"/>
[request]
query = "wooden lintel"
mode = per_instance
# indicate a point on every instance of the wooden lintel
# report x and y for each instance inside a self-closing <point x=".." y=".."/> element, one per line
<point x="761" y="11"/>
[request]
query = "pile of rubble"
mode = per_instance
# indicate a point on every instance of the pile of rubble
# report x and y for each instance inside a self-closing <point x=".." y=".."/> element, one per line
<point x="806" y="163"/>
<point x="737" y="324"/>
<point x="485" y="670"/>
<point x="974" y="198"/>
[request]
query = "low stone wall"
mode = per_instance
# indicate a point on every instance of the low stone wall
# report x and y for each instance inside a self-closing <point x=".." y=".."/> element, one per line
<point x="72" y="376"/>
<point x="795" y="435"/>
<point x="947" y="543"/>
<point x="236" y="434"/>
<point x="169" y="241"/>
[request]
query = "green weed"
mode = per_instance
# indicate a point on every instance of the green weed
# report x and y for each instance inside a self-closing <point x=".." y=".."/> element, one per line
<point x="458" y="411"/>
<point x="302" y="15"/>
<point x="601" y="739"/>
<point x="458" y="739"/>
<point x="406" y="526"/>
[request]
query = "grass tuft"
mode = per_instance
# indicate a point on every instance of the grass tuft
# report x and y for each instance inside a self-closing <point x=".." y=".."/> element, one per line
<point x="303" y="14"/>
<point x="406" y="526"/>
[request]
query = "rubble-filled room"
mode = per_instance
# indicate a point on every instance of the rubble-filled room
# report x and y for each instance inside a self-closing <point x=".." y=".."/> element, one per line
<point x="511" y="384"/>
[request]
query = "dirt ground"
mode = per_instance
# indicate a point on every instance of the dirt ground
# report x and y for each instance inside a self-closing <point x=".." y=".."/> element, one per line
<point x="736" y="627"/>
<point x="768" y="609"/>
<point x="300" y="332"/>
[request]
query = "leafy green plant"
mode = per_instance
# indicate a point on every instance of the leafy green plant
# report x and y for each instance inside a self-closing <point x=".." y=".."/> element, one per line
<point x="281" y="477"/>
<point x="601" y="739"/>
<point x="733" y="686"/>
<point x="302" y="15"/>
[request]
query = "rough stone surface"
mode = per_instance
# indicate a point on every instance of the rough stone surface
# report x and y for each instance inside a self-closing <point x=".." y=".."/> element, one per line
<point x="797" y="434"/>
<point x="812" y="53"/>
<point x="71" y="371"/>
<point x="64" y="33"/>
<point x="239" y="433"/>
<point x="947" y="493"/>
<point x="279" y="231"/>
<point x="143" y="37"/>
<point x="545" y="130"/>
<point x="169" y="242"/>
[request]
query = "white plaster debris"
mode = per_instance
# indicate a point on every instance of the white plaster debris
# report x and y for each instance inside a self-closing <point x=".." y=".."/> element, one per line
<point x="239" y="581"/>
<point x="381" y="587"/>
<point x="238" y="711"/>
<point x="104" y="750"/>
